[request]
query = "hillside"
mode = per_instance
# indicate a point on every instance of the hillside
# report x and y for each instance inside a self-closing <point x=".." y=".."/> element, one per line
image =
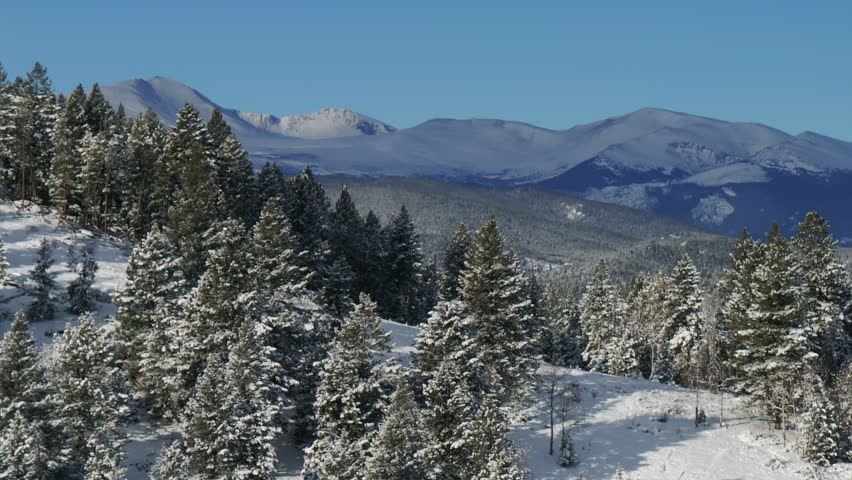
<point x="560" y="234"/>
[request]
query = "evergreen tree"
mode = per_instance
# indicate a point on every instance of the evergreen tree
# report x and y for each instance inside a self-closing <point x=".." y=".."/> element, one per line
<point x="276" y="258"/>
<point x="350" y="395"/>
<point x="270" y="184"/>
<point x="561" y="335"/>
<point x="42" y="284"/>
<point x="67" y="163"/>
<point x="23" y="450"/>
<point x="403" y="264"/>
<point x="493" y="295"/>
<point x="80" y="294"/>
<point x="8" y="162"/>
<point x="98" y="112"/>
<point x="683" y="327"/>
<point x="153" y="278"/>
<point x="374" y="253"/>
<point x="146" y="145"/>
<point x="35" y="107"/>
<point x="601" y="318"/>
<point x="218" y="129"/>
<point x="4" y="264"/>
<point x="826" y="292"/>
<point x="491" y="454"/>
<point x="104" y="458"/>
<point x="453" y="265"/>
<point x="820" y="434"/>
<point x="307" y="208"/>
<point x="444" y="336"/>
<point x="236" y="181"/>
<point x="90" y="392"/>
<point x="23" y="385"/>
<point x="224" y="300"/>
<point x="773" y="349"/>
<point x="347" y="238"/>
<point x="102" y="156"/>
<point x="337" y="288"/>
<point x="736" y="289"/>
<point x="395" y="451"/>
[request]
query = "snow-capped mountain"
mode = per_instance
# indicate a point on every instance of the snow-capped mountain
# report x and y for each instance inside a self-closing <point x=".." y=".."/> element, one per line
<point x="717" y="174"/>
<point x="327" y="123"/>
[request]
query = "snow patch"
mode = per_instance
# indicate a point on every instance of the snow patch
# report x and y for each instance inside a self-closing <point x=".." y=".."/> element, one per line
<point x="573" y="212"/>
<point x="712" y="210"/>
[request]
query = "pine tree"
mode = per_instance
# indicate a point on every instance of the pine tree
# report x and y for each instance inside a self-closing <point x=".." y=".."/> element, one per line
<point x="104" y="458"/>
<point x="493" y="295"/>
<point x="567" y="450"/>
<point x="270" y="184"/>
<point x="307" y="208"/>
<point x="561" y="335"/>
<point x="491" y="454"/>
<point x="453" y="264"/>
<point x="276" y="258"/>
<point x="337" y="288"/>
<point x="4" y="264"/>
<point x="820" y="434"/>
<point x="403" y="264"/>
<point x="67" y="163"/>
<point x="736" y="289"/>
<point x="98" y="112"/>
<point x="236" y="181"/>
<point x="395" y="451"/>
<point x="34" y="123"/>
<point x="23" y="450"/>
<point x="23" y="385"/>
<point x="446" y="335"/>
<point x="224" y="300"/>
<point x="218" y="129"/>
<point x="773" y="350"/>
<point x="374" y="253"/>
<point x="80" y="293"/>
<point x="146" y="145"/>
<point x="8" y="114"/>
<point x="683" y="327"/>
<point x="42" y="284"/>
<point x="827" y="293"/>
<point x="347" y="238"/>
<point x="601" y="318"/>
<point x="350" y="395"/>
<point x="102" y="156"/>
<point x="153" y="281"/>
<point x="90" y="391"/>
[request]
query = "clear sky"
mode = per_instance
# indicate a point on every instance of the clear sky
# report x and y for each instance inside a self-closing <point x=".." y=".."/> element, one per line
<point x="553" y="64"/>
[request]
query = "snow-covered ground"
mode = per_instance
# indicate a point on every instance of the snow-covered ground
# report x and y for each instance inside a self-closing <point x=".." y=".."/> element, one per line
<point x="615" y="423"/>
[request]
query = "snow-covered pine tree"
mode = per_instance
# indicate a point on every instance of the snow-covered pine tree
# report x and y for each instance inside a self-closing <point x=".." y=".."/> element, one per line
<point x="308" y="208"/>
<point x="67" y="163"/>
<point x="270" y="184"/>
<point x="347" y="237"/>
<point x="7" y="136"/>
<point x="773" y="350"/>
<point x="683" y="327"/>
<point x="145" y="148"/>
<point x="4" y="264"/>
<point x="42" y="284"/>
<point x="395" y="451"/>
<point x="404" y="269"/>
<point x="98" y="112"/>
<point x="625" y="354"/>
<point x="820" y="434"/>
<point x="226" y="298"/>
<point x="337" y="288"/>
<point x="600" y="318"/>
<point x="277" y="263"/>
<point x="567" y="449"/>
<point x="103" y="154"/>
<point x="453" y="265"/>
<point x="236" y="181"/>
<point x="23" y="386"/>
<point x="90" y="391"/>
<point x="491" y="455"/>
<point x="350" y="397"/>
<point x="561" y="343"/>
<point x="736" y="290"/>
<point x="827" y="293"/>
<point x="153" y="279"/>
<point x="218" y="128"/>
<point x="104" y="459"/>
<point x="81" y="297"/>
<point x="24" y="452"/>
<point x="35" y="106"/>
<point x="446" y="335"/>
<point x="374" y="253"/>
<point x="493" y="296"/>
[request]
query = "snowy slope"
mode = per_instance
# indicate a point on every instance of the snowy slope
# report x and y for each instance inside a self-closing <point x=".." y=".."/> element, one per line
<point x="327" y="123"/>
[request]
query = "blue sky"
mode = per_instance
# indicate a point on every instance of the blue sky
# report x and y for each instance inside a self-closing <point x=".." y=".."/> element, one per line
<point x="553" y="64"/>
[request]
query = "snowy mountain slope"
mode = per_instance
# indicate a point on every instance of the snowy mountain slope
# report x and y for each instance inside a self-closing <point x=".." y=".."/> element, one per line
<point x="166" y="97"/>
<point x="327" y="123"/>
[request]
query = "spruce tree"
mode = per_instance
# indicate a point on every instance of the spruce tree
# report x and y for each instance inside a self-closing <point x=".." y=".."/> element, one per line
<point x="153" y="281"/>
<point x="337" y="289"/>
<point x="684" y="325"/>
<point x="347" y="238"/>
<point x="8" y="163"/>
<point x="453" y="265"/>
<point x="307" y="208"/>
<point x="98" y="112"/>
<point x="493" y="295"/>
<point x="404" y="264"/>
<point x="4" y="264"/>
<point x="42" y="284"/>
<point x="350" y="395"/>
<point x="827" y="293"/>
<point x="374" y="253"/>
<point x="81" y="297"/>
<point x="24" y="453"/>
<point x="395" y="451"/>
<point x="67" y="163"/>
<point x="146" y="145"/>
<point x="820" y="433"/>
<point x="601" y="319"/>
<point x="445" y="335"/>
<point x="737" y="291"/>
<point x="236" y="181"/>
<point x="23" y="385"/>
<point x="218" y="129"/>
<point x="491" y="454"/>
<point x="270" y="184"/>
<point x="35" y="126"/>
<point x="277" y="262"/>
<point x="90" y="388"/>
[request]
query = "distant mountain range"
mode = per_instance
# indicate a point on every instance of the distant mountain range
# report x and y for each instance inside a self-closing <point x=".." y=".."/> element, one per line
<point x="719" y="175"/>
